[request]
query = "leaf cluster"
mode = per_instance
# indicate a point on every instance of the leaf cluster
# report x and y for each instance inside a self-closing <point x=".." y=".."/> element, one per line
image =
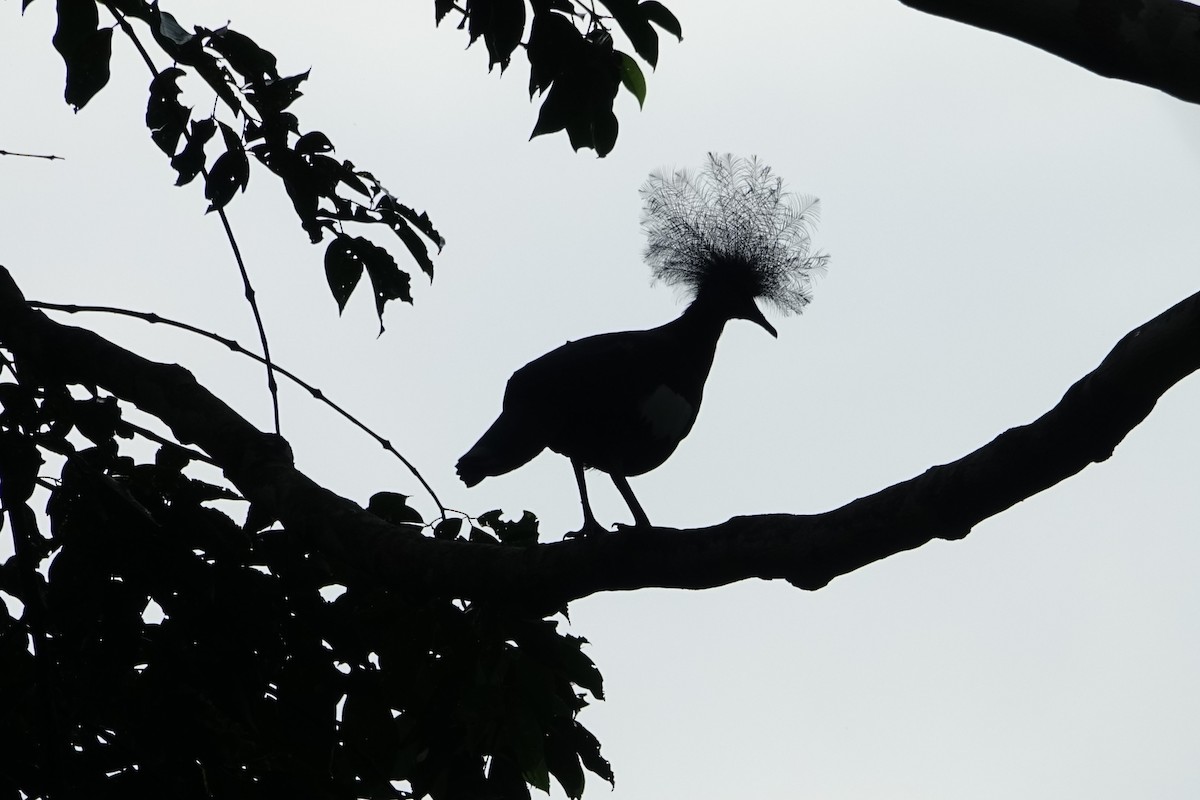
<point x="251" y="110"/>
<point x="151" y="646"/>
<point x="573" y="63"/>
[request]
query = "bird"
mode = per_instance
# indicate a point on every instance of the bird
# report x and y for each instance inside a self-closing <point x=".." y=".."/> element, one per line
<point x="726" y="236"/>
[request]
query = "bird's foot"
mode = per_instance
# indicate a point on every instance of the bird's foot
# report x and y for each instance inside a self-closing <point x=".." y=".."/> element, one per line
<point x="590" y="528"/>
<point x="637" y="526"/>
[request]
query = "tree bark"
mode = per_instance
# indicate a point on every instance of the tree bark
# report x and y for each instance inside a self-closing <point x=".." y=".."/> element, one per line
<point x="1152" y="42"/>
<point x="945" y="502"/>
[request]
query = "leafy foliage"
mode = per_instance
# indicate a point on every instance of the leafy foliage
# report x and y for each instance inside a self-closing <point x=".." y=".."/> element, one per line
<point x="573" y="62"/>
<point x="253" y="114"/>
<point x="168" y="651"/>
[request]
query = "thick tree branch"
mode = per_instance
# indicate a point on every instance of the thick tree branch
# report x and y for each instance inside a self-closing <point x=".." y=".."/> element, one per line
<point x="1152" y="42"/>
<point x="809" y="551"/>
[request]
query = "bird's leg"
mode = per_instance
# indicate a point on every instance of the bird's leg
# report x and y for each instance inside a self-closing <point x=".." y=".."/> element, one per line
<point x="640" y="520"/>
<point x="590" y="525"/>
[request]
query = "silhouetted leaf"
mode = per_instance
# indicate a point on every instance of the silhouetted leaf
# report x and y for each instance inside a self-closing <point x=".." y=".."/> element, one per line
<point x="98" y="419"/>
<point x="419" y="221"/>
<point x="657" y="13"/>
<point x="388" y="281"/>
<point x="243" y="54"/>
<point x="271" y="96"/>
<point x="85" y="50"/>
<point x="440" y="9"/>
<point x="343" y="270"/>
<point x="480" y="536"/>
<point x="230" y="172"/>
<point x="190" y="161"/>
<point x="393" y="507"/>
<point x="416" y="247"/>
<point x="522" y="532"/>
<point x="563" y="761"/>
<point x="165" y="115"/>
<point x="589" y="752"/>
<point x="632" y="77"/>
<point x="554" y="43"/>
<point x="448" y="528"/>
<point x="632" y="19"/>
<point x="581" y="96"/>
<point x="170" y="29"/>
<point x="500" y="23"/>
<point x="314" y="142"/>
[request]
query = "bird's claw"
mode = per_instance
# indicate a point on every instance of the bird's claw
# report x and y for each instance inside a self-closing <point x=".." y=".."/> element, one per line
<point x="590" y="528"/>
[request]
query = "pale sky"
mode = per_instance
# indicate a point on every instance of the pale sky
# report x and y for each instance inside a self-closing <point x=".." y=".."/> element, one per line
<point x="997" y="220"/>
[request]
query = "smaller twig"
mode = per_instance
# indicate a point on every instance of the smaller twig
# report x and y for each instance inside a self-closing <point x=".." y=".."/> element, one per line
<point x="31" y="155"/>
<point x="248" y="289"/>
<point x="237" y="348"/>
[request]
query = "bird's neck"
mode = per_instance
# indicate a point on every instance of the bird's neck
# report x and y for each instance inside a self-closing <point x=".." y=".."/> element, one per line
<point x="695" y="334"/>
<point x="703" y="320"/>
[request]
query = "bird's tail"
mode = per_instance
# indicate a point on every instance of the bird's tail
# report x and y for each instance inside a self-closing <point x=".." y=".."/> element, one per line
<point x="504" y="447"/>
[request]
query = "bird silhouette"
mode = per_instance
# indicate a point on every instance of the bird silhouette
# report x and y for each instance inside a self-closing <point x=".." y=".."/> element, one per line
<point x="622" y="402"/>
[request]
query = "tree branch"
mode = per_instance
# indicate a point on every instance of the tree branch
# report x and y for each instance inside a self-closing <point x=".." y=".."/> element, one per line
<point x="1152" y="42"/>
<point x="946" y="502"/>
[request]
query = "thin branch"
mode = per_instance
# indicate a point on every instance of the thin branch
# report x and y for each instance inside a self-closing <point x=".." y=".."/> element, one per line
<point x="31" y="155"/>
<point x="946" y="502"/>
<point x="233" y="345"/>
<point x="1152" y="42"/>
<point x="248" y="289"/>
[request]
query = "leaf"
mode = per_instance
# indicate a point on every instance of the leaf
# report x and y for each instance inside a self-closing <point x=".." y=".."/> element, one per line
<point x="604" y="132"/>
<point x="554" y="43"/>
<point x="342" y="270"/>
<point x="190" y="160"/>
<point x="440" y="9"/>
<point x="230" y="172"/>
<point x="388" y="281"/>
<point x="632" y="78"/>
<point x="244" y="55"/>
<point x="165" y="115"/>
<point x="563" y="761"/>
<point x="170" y="29"/>
<point x="657" y="13"/>
<point x="637" y="27"/>
<point x="448" y="529"/>
<point x="419" y="221"/>
<point x="85" y="50"/>
<point x="272" y="95"/>
<point x="314" y="142"/>
<point x="581" y="97"/>
<point x="521" y="532"/>
<point x="393" y="507"/>
<point x="500" y="23"/>
<point x="588" y="748"/>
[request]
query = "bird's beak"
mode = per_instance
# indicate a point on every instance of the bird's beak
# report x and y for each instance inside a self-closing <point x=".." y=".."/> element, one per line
<point x="755" y="315"/>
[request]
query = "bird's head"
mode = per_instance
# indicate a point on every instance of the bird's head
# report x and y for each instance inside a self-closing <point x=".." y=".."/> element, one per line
<point x="729" y="236"/>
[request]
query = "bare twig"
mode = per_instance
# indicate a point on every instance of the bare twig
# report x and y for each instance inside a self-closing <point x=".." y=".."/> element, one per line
<point x="237" y="348"/>
<point x="31" y="155"/>
<point x="248" y="289"/>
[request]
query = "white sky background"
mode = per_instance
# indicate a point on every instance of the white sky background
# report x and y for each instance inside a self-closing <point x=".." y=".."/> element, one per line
<point x="997" y="218"/>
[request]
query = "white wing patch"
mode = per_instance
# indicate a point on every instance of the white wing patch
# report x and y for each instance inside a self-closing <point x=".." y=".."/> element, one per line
<point x="668" y="414"/>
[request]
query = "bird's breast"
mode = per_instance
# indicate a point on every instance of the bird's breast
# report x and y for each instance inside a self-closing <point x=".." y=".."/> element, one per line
<point x="668" y="414"/>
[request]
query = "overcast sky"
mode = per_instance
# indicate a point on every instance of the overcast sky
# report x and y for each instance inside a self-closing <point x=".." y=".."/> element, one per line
<point x="997" y="220"/>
